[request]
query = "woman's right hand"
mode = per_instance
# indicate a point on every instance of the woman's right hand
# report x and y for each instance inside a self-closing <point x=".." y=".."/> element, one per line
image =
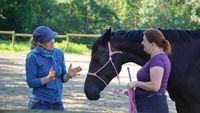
<point x="51" y="75"/>
<point x="131" y="84"/>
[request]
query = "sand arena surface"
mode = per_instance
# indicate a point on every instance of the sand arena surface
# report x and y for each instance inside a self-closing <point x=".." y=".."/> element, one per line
<point x="14" y="90"/>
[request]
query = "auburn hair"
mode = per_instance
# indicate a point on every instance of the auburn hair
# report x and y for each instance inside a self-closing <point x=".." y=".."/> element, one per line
<point x="156" y="36"/>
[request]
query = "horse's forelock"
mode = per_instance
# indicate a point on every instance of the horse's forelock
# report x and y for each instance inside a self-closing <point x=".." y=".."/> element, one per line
<point x="100" y="41"/>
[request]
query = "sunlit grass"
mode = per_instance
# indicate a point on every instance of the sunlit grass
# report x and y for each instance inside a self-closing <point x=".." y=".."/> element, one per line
<point x="19" y="46"/>
<point x="67" y="47"/>
<point x="70" y="47"/>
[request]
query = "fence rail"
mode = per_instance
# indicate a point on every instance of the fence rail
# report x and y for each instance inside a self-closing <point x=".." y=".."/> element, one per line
<point x="67" y="36"/>
<point x="7" y="32"/>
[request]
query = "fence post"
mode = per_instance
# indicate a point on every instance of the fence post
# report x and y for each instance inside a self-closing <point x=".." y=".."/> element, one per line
<point x="13" y="39"/>
<point x="67" y="39"/>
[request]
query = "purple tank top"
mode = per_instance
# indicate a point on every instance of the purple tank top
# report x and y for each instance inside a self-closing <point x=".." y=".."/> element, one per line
<point x="143" y="74"/>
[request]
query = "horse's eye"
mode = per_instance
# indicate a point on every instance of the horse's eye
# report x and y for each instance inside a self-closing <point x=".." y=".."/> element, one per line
<point x="95" y="59"/>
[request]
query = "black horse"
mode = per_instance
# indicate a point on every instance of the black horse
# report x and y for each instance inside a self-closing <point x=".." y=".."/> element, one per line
<point x="184" y="82"/>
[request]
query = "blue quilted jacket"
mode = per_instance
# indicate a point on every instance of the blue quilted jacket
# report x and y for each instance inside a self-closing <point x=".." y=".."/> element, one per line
<point x="38" y="63"/>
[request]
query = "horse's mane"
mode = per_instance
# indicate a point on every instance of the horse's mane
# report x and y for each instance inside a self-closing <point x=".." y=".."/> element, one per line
<point x="173" y="35"/>
<point x="128" y="35"/>
<point x="136" y="36"/>
<point x="97" y="42"/>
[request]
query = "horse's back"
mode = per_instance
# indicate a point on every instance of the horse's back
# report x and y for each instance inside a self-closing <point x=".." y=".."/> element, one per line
<point x="176" y="35"/>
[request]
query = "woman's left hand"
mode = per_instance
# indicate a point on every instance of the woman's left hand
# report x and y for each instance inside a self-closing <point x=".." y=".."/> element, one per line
<point x="73" y="71"/>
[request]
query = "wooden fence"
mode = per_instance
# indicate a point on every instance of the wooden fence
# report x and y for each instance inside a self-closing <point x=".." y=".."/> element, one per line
<point x="67" y="36"/>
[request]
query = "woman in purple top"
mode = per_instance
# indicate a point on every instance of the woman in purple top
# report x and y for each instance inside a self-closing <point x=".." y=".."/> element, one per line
<point x="153" y="76"/>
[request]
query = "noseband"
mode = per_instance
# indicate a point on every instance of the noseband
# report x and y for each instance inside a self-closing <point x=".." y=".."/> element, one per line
<point x="109" y="61"/>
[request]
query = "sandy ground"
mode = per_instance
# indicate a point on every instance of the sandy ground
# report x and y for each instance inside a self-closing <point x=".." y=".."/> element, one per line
<point x="14" y="91"/>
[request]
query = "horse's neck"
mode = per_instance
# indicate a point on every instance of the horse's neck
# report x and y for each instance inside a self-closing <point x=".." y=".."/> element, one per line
<point x="132" y="52"/>
<point x="130" y="57"/>
<point x="129" y="42"/>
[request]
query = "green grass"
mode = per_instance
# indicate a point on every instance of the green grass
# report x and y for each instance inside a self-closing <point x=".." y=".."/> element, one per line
<point x="19" y="46"/>
<point x="70" y="47"/>
<point x="67" y="47"/>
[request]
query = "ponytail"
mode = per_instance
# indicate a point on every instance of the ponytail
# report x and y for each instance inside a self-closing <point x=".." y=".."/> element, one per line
<point x="167" y="47"/>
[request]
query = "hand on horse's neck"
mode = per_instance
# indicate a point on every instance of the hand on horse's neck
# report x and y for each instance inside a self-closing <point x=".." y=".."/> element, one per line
<point x="156" y="51"/>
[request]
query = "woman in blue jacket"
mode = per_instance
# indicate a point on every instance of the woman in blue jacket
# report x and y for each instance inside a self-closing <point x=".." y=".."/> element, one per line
<point x="46" y="71"/>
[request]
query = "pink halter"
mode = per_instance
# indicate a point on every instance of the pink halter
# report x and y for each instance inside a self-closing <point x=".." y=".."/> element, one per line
<point x="130" y="92"/>
<point x="109" y="60"/>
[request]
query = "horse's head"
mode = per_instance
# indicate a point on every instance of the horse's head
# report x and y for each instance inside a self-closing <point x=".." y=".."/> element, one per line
<point x="104" y="66"/>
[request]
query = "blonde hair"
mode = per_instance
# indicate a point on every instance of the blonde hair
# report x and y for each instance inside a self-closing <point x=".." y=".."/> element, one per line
<point x="33" y="43"/>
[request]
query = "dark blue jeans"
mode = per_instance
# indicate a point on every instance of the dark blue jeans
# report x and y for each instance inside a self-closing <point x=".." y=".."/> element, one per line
<point x="43" y="105"/>
<point x="151" y="103"/>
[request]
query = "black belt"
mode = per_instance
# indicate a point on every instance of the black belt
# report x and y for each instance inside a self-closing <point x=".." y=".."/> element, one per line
<point x="41" y="101"/>
<point x="50" y="102"/>
<point x="149" y="95"/>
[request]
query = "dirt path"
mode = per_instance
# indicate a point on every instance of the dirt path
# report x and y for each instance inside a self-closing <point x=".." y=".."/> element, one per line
<point x="14" y="91"/>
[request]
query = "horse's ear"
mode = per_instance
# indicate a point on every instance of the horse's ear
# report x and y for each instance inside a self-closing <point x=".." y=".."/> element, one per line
<point x="105" y="37"/>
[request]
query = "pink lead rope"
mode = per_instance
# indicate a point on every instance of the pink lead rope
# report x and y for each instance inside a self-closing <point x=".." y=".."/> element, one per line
<point x="131" y="97"/>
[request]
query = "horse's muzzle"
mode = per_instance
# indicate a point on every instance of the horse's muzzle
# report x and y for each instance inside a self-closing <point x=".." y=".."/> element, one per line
<point x="92" y="94"/>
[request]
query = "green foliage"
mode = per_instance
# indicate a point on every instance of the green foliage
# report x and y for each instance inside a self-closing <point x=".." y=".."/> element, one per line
<point x="93" y="16"/>
<point x="70" y="47"/>
<point x="169" y="14"/>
